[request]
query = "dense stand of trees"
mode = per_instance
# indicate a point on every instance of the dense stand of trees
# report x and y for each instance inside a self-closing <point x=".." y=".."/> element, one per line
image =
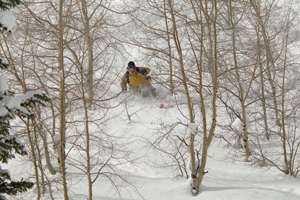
<point x="229" y="59"/>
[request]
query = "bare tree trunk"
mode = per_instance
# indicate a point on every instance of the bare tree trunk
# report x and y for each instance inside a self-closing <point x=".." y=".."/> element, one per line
<point x="34" y="161"/>
<point x="180" y="59"/>
<point x="262" y="84"/>
<point x="87" y="150"/>
<point x="90" y="93"/>
<point x="198" y="166"/>
<point x="287" y="155"/>
<point x="271" y="70"/>
<point x="169" y="49"/>
<point x="241" y="95"/>
<point x="209" y="133"/>
<point x="89" y="43"/>
<point x="46" y="152"/>
<point x="39" y="158"/>
<point x="187" y="94"/>
<point x="39" y="129"/>
<point x="89" y="100"/>
<point x="62" y="130"/>
<point x="270" y="59"/>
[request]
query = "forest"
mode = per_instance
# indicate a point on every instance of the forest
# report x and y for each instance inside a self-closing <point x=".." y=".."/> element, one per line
<point x="228" y="69"/>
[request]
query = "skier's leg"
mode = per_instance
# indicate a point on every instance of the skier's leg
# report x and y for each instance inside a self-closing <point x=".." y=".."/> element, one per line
<point x="145" y="91"/>
<point x="153" y="91"/>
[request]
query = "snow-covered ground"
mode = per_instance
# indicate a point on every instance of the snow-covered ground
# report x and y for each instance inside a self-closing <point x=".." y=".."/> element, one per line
<point x="225" y="179"/>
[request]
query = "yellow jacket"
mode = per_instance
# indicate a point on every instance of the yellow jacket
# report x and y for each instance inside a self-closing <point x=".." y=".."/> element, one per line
<point x="135" y="78"/>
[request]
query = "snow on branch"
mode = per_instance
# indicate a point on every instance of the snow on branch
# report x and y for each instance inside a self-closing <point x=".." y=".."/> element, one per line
<point x="193" y="127"/>
<point x="237" y="125"/>
<point x="20" y="104"/>
<point x="7" y="21"/>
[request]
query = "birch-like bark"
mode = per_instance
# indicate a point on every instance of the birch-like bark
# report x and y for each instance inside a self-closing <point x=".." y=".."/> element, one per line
<point x="187" y="94"/>
<point x="270" y="68"/>
<point x="89" y="43"/>
<point x="270" y="59"/>
<point x="262" y="85"/>
<point x="242" y="96"/>
<point x="201" y="9"/>
<point x="198" y="169"/>
<point x="88" y="101"/>
<point x="169" y="49"/>
<point x="34" y="159"/>
<point x="62" y="129"/>
<point x="208" y="133"/>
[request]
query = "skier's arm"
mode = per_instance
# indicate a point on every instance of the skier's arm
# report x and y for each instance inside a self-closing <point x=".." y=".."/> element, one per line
<point x="123" y="82"/>
<point x="144" y="70"/>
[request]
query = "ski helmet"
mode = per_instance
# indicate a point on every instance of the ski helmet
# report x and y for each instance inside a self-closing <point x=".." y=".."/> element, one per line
<point x="131" y="66"/>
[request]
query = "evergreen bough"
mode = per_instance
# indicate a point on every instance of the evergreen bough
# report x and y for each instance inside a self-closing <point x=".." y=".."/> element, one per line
<point x="21" y="107"/>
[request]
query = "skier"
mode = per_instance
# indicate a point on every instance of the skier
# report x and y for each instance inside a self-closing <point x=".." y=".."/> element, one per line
<point x="138" y="79"/>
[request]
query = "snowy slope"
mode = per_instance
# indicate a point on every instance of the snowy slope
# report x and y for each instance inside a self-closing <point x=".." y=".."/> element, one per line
<point x="224" y="180"/>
